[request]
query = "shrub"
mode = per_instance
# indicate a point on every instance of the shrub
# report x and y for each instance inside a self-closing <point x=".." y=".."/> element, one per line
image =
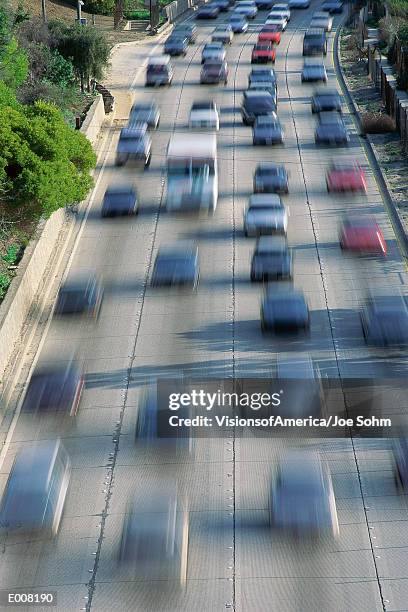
<point x="5" y="280"/>
<point x="377" y="123"/>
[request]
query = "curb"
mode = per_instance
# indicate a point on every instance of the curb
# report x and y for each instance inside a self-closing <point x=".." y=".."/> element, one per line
<point x="368" y="146"/>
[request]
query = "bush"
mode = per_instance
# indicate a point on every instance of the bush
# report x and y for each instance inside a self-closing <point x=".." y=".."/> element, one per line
<point x="44" y="164"/>
<point x="5" y="280"/>
<point x="377" y="123"/>
<point x="97" y="7"/>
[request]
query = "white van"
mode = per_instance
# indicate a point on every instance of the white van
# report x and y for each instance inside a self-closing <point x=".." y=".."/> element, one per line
<point x="192" y="172"/>
<point x="159" y="71"/>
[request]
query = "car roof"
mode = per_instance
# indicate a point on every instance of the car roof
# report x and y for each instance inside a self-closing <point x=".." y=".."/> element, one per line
<point x="37" y="460"/>
<point x="302" y="468"/>
<point x="119" y="189"/>
<point x="270" y="166"/>
<point x="135" y="130"/>
<point x="326" y="92"/>
<point x="315" y="32"/>
<point x="158" y="60"/>
<point x="330" y="117"/>
<point x="265" y="199"/>
<point x="271" y="244"/>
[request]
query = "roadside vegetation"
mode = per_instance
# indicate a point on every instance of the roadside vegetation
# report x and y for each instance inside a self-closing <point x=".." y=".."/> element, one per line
<point x="46" y="72"/>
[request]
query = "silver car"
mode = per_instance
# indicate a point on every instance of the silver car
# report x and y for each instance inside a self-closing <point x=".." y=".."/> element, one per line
<point x="301" y="496"/>
<point x="213" y="51"/>
<point x="265" y="214"/>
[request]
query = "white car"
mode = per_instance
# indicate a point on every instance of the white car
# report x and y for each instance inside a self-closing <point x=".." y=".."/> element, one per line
<point x="278" y="20"/>
<point x="322" y="19"/>
<point x="202" y="117"/>
<point x="213" y="50"/>
<point x="283" y="9"/>
<point x="247" y="8"/>
<point x="223" y="34"/>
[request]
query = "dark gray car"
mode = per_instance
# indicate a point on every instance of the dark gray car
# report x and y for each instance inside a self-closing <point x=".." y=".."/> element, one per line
<point x="272" y="259"/>
<point x="331" y="130"/>
<point x="120" y="200"/>
<point x="315" y="42"/>
<point x="384" y="320"/>
<point x="267" y="130"/>
<point x="284" y="310"/>
<point x="176" y="266"/>
<point x="135" y="144"/>
<point x="326" y="100"/>
<point x="271" y="178"/>
<point x="176" y="45"/>
<point x="80" y="295"/>
<point x="256" y="104"/>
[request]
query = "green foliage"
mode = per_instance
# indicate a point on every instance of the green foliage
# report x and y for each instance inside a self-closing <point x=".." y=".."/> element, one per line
<point x="13" y="64"/>
<point x="86" y="48"/>
<point x="98" y="7"/>
<point x="402" y="34"/>
<point x="58" y="70"/>
<point x="399" y="8"/>
<point x="11" y="255"/>
<point x="7" y="96"/>
<point x="44" y="164"/>
<point x="5" y="280"/>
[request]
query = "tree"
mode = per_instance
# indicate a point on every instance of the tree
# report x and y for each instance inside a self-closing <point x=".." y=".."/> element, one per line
<point x="44" y="164"/>
<point x="13" y="60"/>
<point x="86" y="48"/>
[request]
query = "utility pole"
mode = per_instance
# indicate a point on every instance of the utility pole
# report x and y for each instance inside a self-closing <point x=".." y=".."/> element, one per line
<point x="44" y="11"/>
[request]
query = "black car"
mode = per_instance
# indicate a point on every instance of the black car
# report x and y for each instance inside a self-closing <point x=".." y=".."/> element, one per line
<point x="267" y="130"/>
<point x="256" y="104"/>
<point x="384" y="320"/>
<point x="263" y="5"/>
<point x="176" y="266"/>
<point x="120" y="200"/>
<point x="272" y="260"/>
<point x="208" y="11"/>
<point x="284" y="310"/>
<point x="176" y="45"/>
<point x="315" y="42"/>
<point x="187" y="30"/>
<point x="54" y="389"/>
<point x="332" y="6"/>
<point x="270" y="178"/>
<point x="82" y="295"/>
<point x="331" y="130"/>
<point x="326" y="100"/>
<point x="145" y="112"/>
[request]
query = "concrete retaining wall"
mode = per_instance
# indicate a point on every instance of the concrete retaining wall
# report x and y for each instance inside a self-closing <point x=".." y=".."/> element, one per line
<point x="176" y="8"/>
<point x="25" y="287"/>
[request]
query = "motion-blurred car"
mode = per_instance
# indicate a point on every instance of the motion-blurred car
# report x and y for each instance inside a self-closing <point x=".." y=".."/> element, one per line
<point x="262" y="53"/>
<point x="145" y="112"/>
<point x="284" y="310"/>
<point x="246" y="8"/>
<point x="302" y="4"/>
<point x="322" y="19"/>
<point x="331" y="130"/>
<point x="223" y="5"/>
<point x="154" y="542"/>
<point x="120" y="200"/>
<point x="34" y="497"/>
<point x="283" y="9"/>
<point x="272" y="260"/>
<point x="362" y="234"/>
<point x="271" y="178"/>
<point x="326" y="100"/>
<point x="80" y="295"/>
<point x="270" y="33"/>
<point x="204" y="115"/>
<point x="263" y="5"/>
<point x="189" y="30"/>
<point x="313" y="70"/>
<point x="223" y="34"/>
<point x="54" y="389"/>
<point x="176" y="45"/>
<point x="256" y="104"/>
<point x="176" y="266"/>
<point x="399" y="447"/>
<point x="152" y="428"/>
<point x="267" y="130"/>
<point x="238" y="23"/>
<point x="301" y="497"/>
<point x="315" y="42"/>
<point x="267" y="86"/>
<point x="277" y="18"/>
<point x="214" y="72"/>
<point x="213" y="51"/>
<point x="265" y="215"/>
<point x="262" y="75"/>
<point x="333" y="6"/>
<point x="135" y="144"/>
<point x="384" y="320"/>
<point x="304" y="393"/>
<point x="207" y="11"/>
<point x="345" y="176"/>
<point x="159" y="71"/>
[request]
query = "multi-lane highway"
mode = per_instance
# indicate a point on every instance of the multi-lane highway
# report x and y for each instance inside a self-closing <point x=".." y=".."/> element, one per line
<point x="235" y="562"/>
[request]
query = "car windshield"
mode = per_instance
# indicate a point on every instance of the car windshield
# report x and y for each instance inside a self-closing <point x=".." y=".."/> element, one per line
<point x="198" y="106"/>
<point x="262" y="47"/>
<point x="268" y="172"/>
<point x="261" y="103"/>
<point x="263" y="210"/>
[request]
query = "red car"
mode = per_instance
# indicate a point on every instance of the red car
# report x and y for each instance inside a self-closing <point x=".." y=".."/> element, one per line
<point x="263" y="52"/>
<point x="362" y="235"/>
<point x="270" y="33"/>
<point x="345" y="177"/>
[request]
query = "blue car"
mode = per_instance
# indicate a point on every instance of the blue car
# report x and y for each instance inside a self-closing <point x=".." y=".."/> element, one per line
<point x="176" y="45"/>
<point x="238" y="23"/>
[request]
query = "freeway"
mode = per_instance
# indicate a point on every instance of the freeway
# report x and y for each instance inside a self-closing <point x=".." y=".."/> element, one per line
<point x="235" y="563"/>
